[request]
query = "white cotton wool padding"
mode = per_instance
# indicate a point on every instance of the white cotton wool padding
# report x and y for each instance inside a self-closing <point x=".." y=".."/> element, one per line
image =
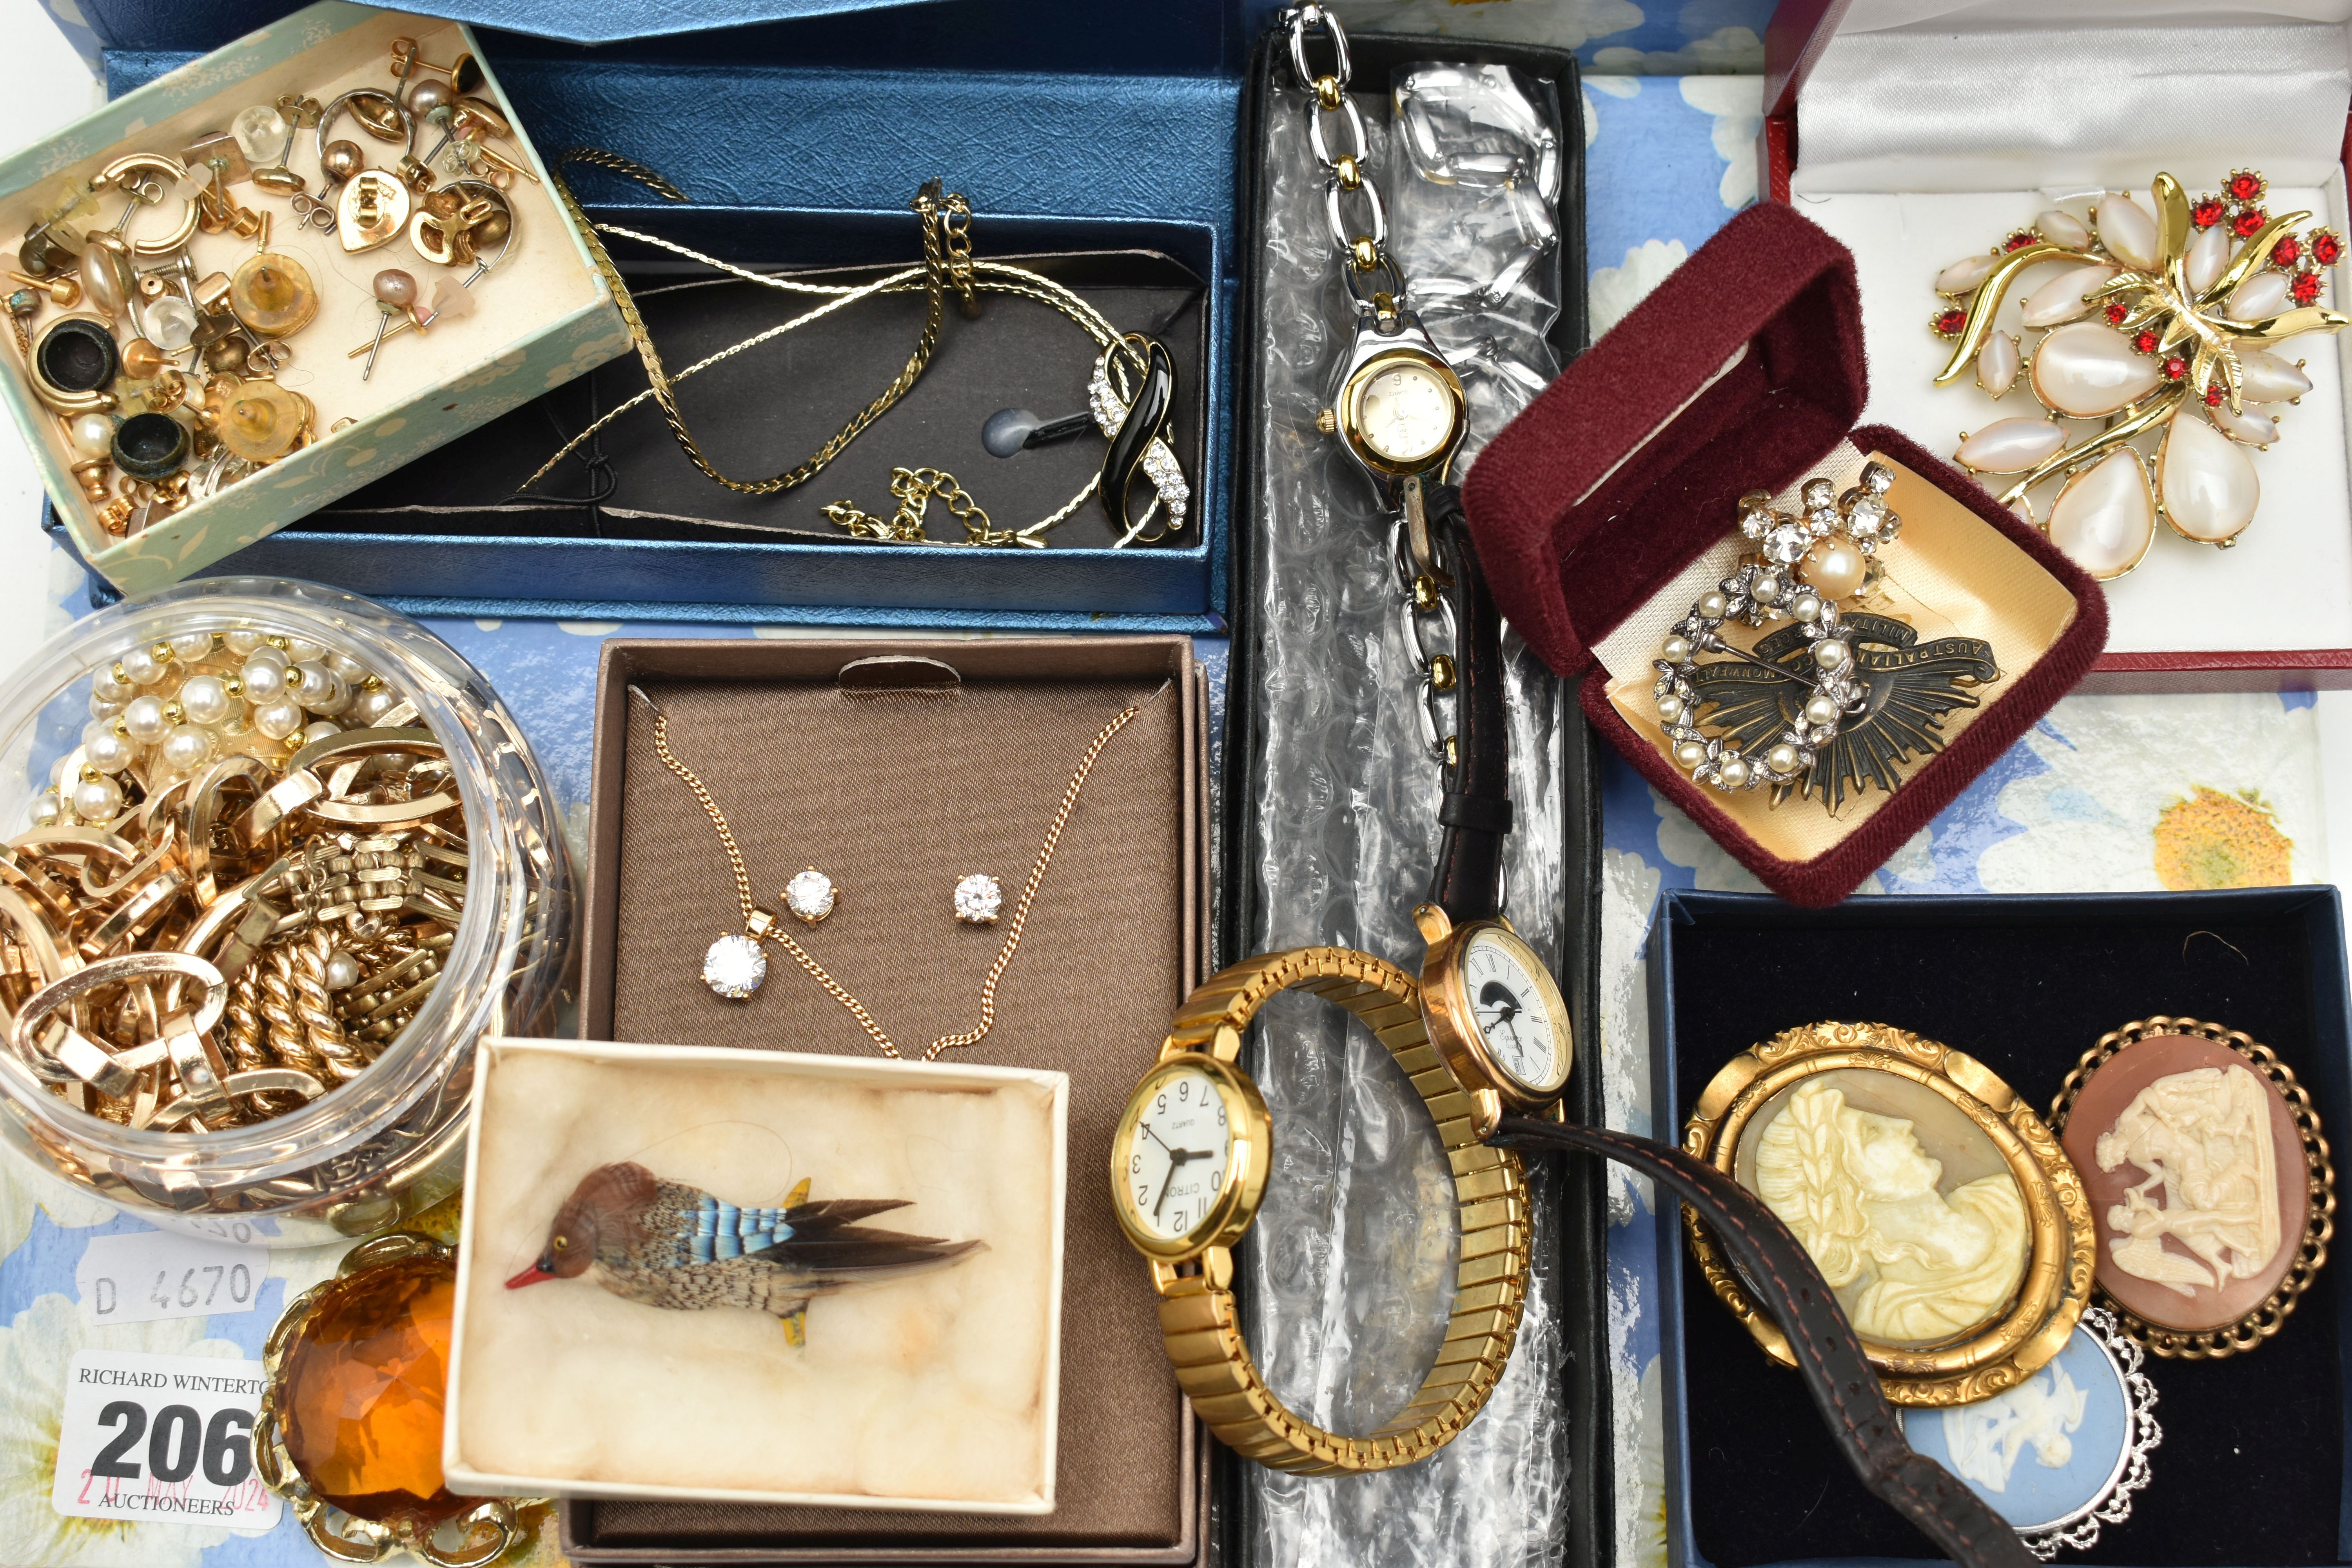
<point x="937" y="1389"/>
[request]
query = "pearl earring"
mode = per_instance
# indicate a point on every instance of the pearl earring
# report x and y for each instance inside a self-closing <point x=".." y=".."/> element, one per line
<point x="978" y="898"/>
<point x="811" y="896"/>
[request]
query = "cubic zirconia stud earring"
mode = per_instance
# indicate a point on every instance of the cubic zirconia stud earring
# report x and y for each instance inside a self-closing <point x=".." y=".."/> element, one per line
<point x="978" y="900"/>
<point x="810" y="896"/>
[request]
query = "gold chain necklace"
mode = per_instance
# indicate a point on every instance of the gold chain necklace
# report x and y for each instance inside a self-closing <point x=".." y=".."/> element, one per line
<point x="948" y="267"/>
<point x="758" y="924"/>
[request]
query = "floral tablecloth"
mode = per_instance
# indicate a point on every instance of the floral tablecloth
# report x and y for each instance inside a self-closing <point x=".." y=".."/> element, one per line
<point x="2107" y="792"/>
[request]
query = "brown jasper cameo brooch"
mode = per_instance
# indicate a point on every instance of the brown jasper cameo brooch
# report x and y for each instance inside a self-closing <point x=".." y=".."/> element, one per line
<point x="2209" y="1182"/>
<point x="1941" y="1211"/>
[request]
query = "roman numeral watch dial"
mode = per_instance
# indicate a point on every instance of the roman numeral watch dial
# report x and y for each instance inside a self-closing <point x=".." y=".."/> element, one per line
<point x="1496" y="1014"/>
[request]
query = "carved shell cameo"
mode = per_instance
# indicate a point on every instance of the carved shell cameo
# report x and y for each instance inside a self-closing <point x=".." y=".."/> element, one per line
<point x="1906" y="1206"/>
<point x="2208" y="1185"/>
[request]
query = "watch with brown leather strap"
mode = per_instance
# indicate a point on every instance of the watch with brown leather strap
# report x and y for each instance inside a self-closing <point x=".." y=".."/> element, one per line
<point x="1482" y="1034"/>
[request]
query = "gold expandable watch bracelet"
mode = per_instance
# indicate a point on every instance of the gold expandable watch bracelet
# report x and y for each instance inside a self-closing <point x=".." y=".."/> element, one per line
<point x="1199" y="1318"/>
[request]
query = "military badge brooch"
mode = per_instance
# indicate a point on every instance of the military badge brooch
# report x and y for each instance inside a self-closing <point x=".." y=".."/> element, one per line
<point x="1837" y="699"/>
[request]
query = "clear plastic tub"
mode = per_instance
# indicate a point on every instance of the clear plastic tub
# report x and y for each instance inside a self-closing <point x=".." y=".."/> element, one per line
<point x="389" y="1143"/>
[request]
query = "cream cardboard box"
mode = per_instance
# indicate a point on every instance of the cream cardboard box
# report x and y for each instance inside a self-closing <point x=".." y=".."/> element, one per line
<point x="929" y="1386"/>
<point x="542" y="315"/>
<point x="1922" y="132"/>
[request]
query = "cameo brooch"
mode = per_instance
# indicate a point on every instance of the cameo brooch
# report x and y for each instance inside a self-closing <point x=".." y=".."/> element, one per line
<point x="2210" y="1185"/>
<point x="2061" y="1454"/>
<point x="2158" y="326"/>
<point x="1941" y="1209"/>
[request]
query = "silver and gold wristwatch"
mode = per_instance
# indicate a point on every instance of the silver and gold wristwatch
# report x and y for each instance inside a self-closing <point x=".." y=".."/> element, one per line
<point x="1396" y="405"/>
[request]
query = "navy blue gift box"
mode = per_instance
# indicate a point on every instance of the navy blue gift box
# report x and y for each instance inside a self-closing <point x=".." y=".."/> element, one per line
<point x="2252" y="1468"/>
<point x="1070" y="126"/>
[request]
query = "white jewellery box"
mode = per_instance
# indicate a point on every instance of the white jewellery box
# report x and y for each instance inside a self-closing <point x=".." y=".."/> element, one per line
<point x="1923" y="131"/>
<point x="758" y="1276"/>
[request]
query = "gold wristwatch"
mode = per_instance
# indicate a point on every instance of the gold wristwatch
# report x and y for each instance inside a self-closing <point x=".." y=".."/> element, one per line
<point x="1496" y="1016"/>
<point x="1189" y="1163"/>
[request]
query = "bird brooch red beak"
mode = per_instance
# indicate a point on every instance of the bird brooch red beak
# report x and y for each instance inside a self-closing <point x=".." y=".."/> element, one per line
<point x="668" y="1244"/>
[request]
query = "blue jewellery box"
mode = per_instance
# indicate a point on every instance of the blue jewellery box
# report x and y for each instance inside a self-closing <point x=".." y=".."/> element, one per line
<point x="1096" y="144"/>
<point x="2251" y="1467"/>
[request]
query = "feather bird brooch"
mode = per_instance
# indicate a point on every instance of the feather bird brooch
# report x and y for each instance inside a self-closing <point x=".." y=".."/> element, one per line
<point x="668" y="1244"/>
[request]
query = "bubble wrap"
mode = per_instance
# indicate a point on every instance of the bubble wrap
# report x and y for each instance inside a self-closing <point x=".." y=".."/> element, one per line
<point x="1350" y="1265"/>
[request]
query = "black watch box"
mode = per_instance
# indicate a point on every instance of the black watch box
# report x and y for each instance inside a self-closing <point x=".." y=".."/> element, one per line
<point x="1262" y="432"/>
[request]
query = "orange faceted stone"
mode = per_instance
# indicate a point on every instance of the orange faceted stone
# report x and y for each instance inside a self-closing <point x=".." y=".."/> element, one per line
<point x="364" y="1386"/>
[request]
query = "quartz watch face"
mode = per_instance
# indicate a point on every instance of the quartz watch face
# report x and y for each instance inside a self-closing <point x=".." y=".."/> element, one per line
<point x="1177" y="1144"/>
<point x="1406" y="415"/>
<point x="1517" y="1010"/>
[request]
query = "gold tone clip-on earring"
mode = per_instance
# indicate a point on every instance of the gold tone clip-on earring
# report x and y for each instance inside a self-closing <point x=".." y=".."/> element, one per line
<point x="458" y="226"/>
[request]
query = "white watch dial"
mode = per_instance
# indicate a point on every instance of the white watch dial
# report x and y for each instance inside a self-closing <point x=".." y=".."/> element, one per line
<point x="1407" y="413"/>
<point x="1179" y="1149"/>
<point x="1519" y="1009"/>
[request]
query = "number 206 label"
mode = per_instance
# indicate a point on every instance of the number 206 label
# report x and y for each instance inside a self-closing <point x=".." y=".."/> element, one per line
<point x="162" y="1439"/>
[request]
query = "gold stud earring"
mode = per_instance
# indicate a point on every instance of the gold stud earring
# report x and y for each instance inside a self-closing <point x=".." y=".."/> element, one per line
<point x="978" y="899"/>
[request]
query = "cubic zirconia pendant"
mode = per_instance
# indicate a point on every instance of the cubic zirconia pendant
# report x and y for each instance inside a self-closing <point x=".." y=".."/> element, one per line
<point x="734" y="966"/>
<point x="810" y="896"/>
<point x="978" y="900"/>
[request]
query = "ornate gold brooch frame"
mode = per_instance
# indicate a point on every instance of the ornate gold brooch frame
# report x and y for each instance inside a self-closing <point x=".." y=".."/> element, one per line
<point x="2158" y="326"/>
<point x="363" y="1313"/>
<point x="2212" y="1194"/>
<point x="2000" y="1318"/>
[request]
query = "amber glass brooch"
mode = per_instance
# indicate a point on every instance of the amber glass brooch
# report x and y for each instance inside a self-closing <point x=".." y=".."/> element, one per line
<point x="350" y="1428"/>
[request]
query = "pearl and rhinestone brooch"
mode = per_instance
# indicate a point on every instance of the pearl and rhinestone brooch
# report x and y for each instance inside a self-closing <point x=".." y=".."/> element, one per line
<point x="2157" y="327"/>
<point x="1837" y="700"/>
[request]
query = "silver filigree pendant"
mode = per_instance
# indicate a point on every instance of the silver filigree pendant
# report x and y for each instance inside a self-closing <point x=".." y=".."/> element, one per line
<point x="734" y="966"/>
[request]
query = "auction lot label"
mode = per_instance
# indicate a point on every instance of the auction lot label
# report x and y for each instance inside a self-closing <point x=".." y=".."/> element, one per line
<point x="166" y="1438"/>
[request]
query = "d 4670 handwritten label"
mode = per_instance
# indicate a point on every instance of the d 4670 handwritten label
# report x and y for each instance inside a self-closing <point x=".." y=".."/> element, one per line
<point x="162" y="1439"/>
<point x="141" y="1276"/>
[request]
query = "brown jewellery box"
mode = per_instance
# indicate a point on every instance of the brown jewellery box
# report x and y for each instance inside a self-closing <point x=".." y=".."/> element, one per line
<point x="895" y="780"/>
<point x="1607" y="507"/>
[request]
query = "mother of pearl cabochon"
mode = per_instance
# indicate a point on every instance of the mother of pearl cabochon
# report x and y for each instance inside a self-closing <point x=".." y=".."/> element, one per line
<point x="2106" y="1094"/>
<point x="2125" y="227"/>
<point x="2011" y="446"/>
<point x="2105" y="518"/>
<point x="2088" y="369"/>
<point x="2061" y="298"/>
<point x="2208" y="482"/>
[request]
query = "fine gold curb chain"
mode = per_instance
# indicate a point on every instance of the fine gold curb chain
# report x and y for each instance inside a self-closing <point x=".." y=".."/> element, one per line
<point x="947" y="262"/>
<point x="758" y="922"/>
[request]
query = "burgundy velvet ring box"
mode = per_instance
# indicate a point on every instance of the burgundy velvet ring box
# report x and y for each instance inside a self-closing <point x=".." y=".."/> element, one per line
<point x="1606" y="508"/>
